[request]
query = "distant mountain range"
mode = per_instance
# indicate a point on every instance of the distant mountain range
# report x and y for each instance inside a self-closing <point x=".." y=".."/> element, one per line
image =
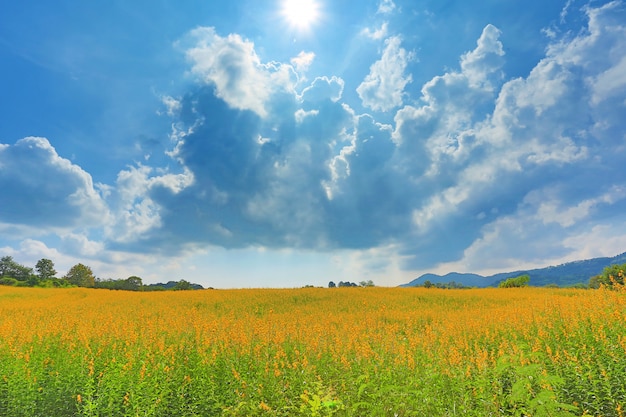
<point x="562" y="275"/>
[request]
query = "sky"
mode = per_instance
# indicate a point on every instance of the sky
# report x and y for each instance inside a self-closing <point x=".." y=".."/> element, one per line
<point x="284" y="143"/>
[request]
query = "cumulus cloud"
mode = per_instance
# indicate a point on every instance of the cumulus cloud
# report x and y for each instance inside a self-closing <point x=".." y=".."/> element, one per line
<point x="322" y="89"/>
<point x="43" y="189"/>
<point x="486" y="60"/>
<point x="134" y="210"/>
<point x="536" y="158"/>
<point x="550" y="226"/>
<point x="477" y="170"/>
<point x="251" y="192"/>
<point x="474" y="168"/>
<point x="231" y="65"/>
<point x="383" y="87"/>
<point x="551" y="210"/>
<point x="609" y="83"/>
<point x="79" y="245"/>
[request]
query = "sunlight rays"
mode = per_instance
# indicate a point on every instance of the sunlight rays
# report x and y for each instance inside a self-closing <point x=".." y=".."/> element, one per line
<point x="300" y="14"/>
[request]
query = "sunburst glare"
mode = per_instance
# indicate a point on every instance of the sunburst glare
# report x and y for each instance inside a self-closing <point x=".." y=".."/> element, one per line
<point x="301" y="14"/>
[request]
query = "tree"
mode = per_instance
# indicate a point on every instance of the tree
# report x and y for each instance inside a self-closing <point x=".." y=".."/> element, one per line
<point x="331" y="284"/>
<point x="368" y="283"/>
<point x="45" y="269"/>
<point x="6" y="266"/>
<point x="611" y="277"/>
<point x="133" y="283"/>
<point x="182" y="285"/>
<point x="595" y="281"/>
<point x="10" y="268"/>
<point x="81" y="276"/>
<point x="521" y="281"/>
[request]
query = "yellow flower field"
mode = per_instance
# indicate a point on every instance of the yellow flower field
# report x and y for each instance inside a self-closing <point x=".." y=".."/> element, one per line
<point x="312" y="352"/>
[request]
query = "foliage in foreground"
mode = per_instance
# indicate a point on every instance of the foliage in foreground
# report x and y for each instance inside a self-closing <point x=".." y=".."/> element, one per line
<point x="312" y="352"/>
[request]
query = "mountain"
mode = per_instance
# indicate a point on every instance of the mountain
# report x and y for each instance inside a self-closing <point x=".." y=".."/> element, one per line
<point x="562" y="275"/>
<point x="469" y="280"/>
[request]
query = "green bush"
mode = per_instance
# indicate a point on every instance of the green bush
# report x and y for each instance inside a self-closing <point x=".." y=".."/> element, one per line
<point x="611" y="276"/>
<point x="521" y="281"/>
<point x="8" y="281"/>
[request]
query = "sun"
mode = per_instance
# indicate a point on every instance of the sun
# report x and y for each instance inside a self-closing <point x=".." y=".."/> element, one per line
<point x="300" y="14"/>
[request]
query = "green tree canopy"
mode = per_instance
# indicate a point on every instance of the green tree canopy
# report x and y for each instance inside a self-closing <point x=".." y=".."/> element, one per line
<point x="10" y="268"/>
<point x="182" y="285"/>
<point x="521" y="281"/>
<point x="81" y="276"/>
<point x="45" y="269"/>
<point x="133" y="283"/>
<point x="610" y="277"/>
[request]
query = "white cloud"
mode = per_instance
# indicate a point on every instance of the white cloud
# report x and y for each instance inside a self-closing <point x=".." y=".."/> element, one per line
<point x="610" y="83"/>
<point x="300" y="115"/>
<point x="543" y="89"/>
<point x="606" y="32"/>
<point x="477" y="170"/>
<point x="551" y="210"/>
<point x="561" y="150"/>
<point x="442" y="135"/>
<point x="603" y="239"/>
<point x="565" y="10"/>
<point x="323" y="88"/>
<point x="135" y="213"/>
<point x="233" y="67"/>
<point x="303" y="61"/>
<point x="36" y="249"/>
<point x="454" y="179"/>
<point x="486" y="60"/>
<point x="383" y="87"/>
<point x="172" y="105"/>
<point x="488" y="166"/>
<point x="386" y="6"/>
<point x="544" y="230"/>
<point x="79" y="245"/>
<point x="45" y="190"/>
<point x="377" y="34"/>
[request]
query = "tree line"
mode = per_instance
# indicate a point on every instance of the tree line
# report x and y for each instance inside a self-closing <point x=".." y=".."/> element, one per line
<point x="79" y="275"/>
<point x="368" y="283"/>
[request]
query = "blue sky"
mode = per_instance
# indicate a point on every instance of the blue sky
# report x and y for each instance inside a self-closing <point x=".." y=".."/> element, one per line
<point x="271" y="144"/>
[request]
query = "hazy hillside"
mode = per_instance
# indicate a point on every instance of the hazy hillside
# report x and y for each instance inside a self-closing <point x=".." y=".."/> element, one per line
<point x="562" y="275"/>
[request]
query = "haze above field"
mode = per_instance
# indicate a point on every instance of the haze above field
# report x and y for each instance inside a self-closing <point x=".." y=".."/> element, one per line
<point x="277" y="143"/>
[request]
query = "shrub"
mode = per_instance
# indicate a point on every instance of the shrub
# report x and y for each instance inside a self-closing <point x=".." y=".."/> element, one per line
<point x="611" y="277"/>
<point x="8" y="281"/>
<point x="521" y="281"/>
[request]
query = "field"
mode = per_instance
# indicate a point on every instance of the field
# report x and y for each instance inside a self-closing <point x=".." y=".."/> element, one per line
<point x="313" y="352"/>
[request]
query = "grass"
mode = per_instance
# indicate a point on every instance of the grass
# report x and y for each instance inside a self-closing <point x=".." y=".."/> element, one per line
<point x="313" y="352"/>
